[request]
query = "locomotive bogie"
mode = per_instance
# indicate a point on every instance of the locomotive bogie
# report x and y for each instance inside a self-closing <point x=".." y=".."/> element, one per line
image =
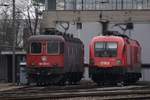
<point x="43" y="75"/>
<point x="107" y="75"/>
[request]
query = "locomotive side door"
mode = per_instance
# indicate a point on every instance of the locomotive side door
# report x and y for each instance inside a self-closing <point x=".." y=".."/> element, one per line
<point x="66" y="56"/>
<point x="128" y="54"/>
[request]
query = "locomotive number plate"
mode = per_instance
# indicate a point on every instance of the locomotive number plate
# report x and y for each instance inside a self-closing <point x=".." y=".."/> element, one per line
<point x="43" y="64"/>
<point x="105" y="63"/>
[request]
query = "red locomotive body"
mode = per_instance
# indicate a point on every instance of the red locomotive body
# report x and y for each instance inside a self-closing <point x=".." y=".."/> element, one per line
<point x="41" y="53"/>
<point x="54" y="59"/>
<point x="115" y="59"/>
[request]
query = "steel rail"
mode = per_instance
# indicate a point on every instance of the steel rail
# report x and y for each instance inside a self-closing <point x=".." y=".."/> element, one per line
<point x="139" y="93"/>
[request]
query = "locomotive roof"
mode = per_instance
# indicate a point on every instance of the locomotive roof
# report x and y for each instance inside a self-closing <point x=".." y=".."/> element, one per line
<point x="54" y="37"/>
<point x="107" y="38"/>
<point x="115" y="39"/>
<point x="46" y="37"/>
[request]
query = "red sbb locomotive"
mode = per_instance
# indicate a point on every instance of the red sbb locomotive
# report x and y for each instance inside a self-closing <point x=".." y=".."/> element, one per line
<point x="55" y="59"/>
<point x="115" y="58"/>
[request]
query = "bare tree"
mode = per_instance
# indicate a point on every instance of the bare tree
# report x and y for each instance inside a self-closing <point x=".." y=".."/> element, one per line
<point x="33" y="16"/>
<point x="6" y="26"/>
<point x="27" y="20"/>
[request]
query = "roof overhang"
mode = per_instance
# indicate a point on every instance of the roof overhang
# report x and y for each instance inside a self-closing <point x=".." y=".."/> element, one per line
<point x="51" y="18"/>
<point x="11" y="53"/>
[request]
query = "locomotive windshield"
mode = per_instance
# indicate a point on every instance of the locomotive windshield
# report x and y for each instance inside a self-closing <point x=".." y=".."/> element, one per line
<point x="36" y="47"/>
<point x="54" y="47"/>
<point x="105" y="49"/>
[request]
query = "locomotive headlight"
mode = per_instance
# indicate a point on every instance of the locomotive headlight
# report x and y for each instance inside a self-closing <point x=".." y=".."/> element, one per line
<point x="49" y="73"/>
<point x="44" y="58"/>
<point x="38" y="73"/>
<point x="119" y="62"/>
<point x="91" y="61"/>
<point x="32" y="63"/>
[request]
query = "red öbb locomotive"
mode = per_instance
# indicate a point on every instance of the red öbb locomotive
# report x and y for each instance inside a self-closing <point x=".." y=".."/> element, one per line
<point x="114" y="58"/>
<point x="54" y="59"/>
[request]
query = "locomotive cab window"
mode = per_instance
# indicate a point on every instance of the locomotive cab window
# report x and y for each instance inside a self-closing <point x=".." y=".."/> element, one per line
<point x="55" y="47"/>
<point x="52" y="47"/>
<point x="36" y="47"/>
<point x="105" y="49"/>
<point x="112" y="49"/>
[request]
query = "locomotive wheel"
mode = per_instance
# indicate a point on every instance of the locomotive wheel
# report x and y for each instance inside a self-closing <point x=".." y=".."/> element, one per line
<point x="56" y="79"/>
<point x="38" y="84"/>
<point x="100" y="83"/>
<point x="28" y="82"/>
<point x="131" y="79"/>
<point x="74" y="77"/>
<point x="96" y="79"/>
<point x="61" y="80"/>
<point x="121" y="84"/>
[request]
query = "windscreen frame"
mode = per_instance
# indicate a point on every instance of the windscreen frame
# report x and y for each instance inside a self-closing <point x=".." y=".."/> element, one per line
<point x="105" y="49"/>
<point x="35" y="53"/>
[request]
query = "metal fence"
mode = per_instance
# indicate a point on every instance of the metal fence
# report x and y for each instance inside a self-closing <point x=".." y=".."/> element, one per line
<point x="102" y="4"/>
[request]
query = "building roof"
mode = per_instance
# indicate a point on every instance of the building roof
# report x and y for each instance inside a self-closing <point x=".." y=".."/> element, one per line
<point x="10" y="53"/>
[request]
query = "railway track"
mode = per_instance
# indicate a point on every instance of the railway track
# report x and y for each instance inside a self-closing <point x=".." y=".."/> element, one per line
<point x="78" y="93"/>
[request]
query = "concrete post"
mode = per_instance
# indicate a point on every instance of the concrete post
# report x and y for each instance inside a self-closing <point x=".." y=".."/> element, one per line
<point x="14" y="45"/>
